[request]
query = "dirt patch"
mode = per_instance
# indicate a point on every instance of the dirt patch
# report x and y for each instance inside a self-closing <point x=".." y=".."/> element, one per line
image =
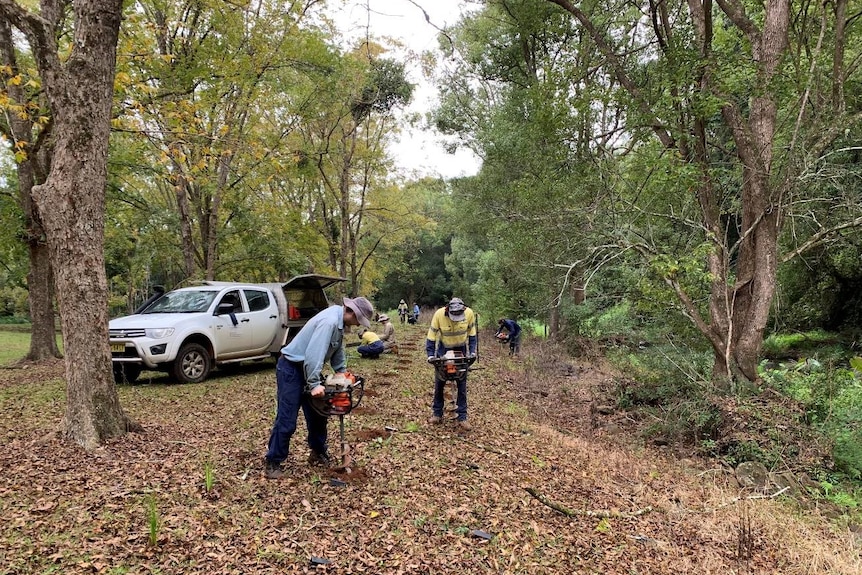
<point x="356" y="476"/>
<point x="370" y="434"/>
<point x="370" y="393"/>
<point x="363" y="410"/>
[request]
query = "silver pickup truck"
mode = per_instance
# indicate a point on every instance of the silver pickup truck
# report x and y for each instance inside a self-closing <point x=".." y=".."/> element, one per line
<point x="189" y="330"/>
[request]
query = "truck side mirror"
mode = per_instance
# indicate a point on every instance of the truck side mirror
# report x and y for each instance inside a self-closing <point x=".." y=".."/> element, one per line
<point x="224" y="309"/>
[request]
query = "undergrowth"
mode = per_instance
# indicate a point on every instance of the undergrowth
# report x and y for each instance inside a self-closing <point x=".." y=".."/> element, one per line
<point x="805" y="415"/>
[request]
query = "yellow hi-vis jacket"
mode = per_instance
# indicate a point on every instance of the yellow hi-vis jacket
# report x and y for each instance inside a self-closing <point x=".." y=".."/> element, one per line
<point x="369" y="337"/>
<point x="450" y="334"/>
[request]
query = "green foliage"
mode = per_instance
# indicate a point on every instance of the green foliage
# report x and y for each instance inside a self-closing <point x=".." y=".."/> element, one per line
<point x="808" y="343"/>
<point x="833" y="401"/>
<point x="386" y="87"/>
<point x="739" y="452"/>
<point x="14" y="304"/>
<point x="669" y="383"/>
<point x="616" y="321"/>
<point x="414" y="266"/>
<point x="692" y="422"/>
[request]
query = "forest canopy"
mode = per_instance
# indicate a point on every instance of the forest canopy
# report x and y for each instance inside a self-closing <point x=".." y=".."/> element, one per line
<point x="677" y="172"/>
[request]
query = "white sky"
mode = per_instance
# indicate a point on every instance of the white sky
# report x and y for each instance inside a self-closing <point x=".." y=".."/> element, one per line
<point x="419" y="151"/>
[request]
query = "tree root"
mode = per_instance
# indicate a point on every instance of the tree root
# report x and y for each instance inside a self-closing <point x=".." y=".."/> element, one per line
<point x="132" y="426"/>
<point x="601" y="513"/>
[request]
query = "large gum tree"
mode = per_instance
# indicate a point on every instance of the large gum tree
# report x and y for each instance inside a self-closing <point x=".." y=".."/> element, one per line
<point x="755" y="91"/>
<point x="77" y="74"/>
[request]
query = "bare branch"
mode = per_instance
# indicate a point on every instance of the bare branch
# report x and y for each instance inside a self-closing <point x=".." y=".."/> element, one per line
<point x="601" y="513"/>
<point x="820" y="238"/>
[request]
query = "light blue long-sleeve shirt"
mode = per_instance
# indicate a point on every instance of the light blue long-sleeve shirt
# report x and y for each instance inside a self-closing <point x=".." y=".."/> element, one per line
<point x="319" y="341"/>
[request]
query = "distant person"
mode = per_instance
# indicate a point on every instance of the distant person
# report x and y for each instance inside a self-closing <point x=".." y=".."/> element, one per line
<point x="453" y="327"/>
<point x="513" y="332"/>
<point x="371" y="346"/>
<point x="388" y="335"/>
<point x="298" y="376"/>
<point x="415" y="313"/>
<point x="402" y="311"/>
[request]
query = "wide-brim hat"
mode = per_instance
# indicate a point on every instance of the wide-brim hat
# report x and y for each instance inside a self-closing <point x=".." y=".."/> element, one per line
<point x="383" y="317"/>
<point x="361" y="308"/>
<point x="457" y="309"/>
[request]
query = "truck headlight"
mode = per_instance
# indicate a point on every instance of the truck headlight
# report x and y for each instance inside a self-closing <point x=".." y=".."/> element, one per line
<point x="160" y="333"/>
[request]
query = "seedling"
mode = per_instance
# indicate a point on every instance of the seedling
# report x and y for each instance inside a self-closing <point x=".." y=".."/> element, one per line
<point x="155" y="522"/>
<point x="411" y="427"/>
<point x="209" y="476"/>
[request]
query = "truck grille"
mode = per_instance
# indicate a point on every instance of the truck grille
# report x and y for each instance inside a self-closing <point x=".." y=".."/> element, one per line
<point x="117" y="333"/>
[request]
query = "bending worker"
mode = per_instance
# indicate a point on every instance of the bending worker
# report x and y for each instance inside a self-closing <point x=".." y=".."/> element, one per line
<point x="299" y="377"/>
<point x="453" y="327"/>
<point x="514" y="330"/>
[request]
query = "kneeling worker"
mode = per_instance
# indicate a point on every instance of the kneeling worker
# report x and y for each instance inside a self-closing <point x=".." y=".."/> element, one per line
<point x="371" y="346"/>
<point x="388" y="335"/>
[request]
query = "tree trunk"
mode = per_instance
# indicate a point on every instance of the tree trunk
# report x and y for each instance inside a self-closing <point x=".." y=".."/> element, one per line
<point x="761" y="201"/>
<point x="40" y="279"/>
<point x="554" y="324"/>
<point x="185" y="225"/>
<point x="31" y="169"/>
<point x="71" y="202"/>
<point x="43" y="333"/>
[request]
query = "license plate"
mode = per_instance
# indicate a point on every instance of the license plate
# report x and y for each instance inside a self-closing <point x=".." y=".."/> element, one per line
<point x="118" y="347"/>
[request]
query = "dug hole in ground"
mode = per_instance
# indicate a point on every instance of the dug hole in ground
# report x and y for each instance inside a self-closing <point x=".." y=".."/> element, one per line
<point x="542" y="484"/>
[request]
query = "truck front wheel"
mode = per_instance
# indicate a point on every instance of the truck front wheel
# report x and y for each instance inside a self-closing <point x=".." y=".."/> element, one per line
<point x="193" y="363"/>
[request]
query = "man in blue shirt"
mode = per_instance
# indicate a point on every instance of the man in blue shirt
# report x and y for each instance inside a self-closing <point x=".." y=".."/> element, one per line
<point x="514" y="331"/>
<point x="298" y="377"/>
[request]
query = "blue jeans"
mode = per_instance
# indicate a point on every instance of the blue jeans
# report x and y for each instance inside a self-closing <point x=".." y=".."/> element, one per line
<point x="290" y="395"/>
<point x="461" y="400"/>
<point x="372" y="350"/>
<point x="515" y="344"/>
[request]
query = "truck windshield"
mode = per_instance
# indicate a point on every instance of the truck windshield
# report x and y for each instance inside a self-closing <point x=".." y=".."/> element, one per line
<point x="183" y="302"/>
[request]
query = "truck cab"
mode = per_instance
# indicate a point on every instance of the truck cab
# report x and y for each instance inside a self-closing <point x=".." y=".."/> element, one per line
<point x="188" y="331"/>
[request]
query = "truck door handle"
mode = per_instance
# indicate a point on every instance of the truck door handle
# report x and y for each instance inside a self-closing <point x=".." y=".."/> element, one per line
<point x="246" y="320"/>
<point x="273" y="316"/>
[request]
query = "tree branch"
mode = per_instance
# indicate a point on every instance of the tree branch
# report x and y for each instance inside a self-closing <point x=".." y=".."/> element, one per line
<point x="820" y="238"/>
<point x="601" y="513"/>
<point x="39" y="30"/>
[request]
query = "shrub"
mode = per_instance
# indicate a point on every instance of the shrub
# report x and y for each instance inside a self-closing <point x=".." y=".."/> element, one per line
<point x="833" y="402"/>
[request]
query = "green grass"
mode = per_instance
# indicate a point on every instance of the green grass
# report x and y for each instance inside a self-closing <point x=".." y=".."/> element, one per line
<point x="15" y="343"/>
<point x="13" y="346"/>
<point x="817" y="343"/>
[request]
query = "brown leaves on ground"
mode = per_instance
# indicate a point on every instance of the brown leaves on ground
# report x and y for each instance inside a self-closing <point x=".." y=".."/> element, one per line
<point x="188" y="495"/>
